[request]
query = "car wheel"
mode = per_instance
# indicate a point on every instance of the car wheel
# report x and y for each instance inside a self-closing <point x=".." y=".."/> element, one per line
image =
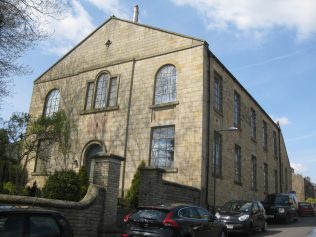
<point x="287" y="219"/>
<point x="264" y="228"/>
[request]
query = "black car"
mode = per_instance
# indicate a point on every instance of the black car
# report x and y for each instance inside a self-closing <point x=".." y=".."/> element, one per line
<point x="243" y="216"/>
<point x="281" y="207"/>
<point x="175" y="220"/>
<point x="22" y="222"/>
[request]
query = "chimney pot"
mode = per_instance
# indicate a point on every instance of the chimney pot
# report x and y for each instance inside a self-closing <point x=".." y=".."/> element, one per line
<point x="135" y="17"/>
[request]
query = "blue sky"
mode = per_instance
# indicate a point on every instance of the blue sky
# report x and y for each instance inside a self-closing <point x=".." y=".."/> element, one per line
<point x="269" y="45"/>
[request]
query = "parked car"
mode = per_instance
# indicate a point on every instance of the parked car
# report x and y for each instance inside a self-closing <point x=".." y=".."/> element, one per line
<point x="243" y="216"/>
<point x="22" y="222"/>
<point x="305" y="209"/>
<point x="176" y="220"/>
<point x="281" y="207"/>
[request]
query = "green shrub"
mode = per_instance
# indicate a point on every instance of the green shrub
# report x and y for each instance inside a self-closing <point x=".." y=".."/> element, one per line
<point x="9" y="188"/>
<point x="84" y="181"/>
<point x="63" y="185"/>
<point x="132" y="194"/>
<point x="33" y="191"/>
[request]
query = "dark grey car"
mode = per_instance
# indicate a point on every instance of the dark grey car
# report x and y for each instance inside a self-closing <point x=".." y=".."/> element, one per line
<point x="23" y="222"/>
<point x="178" y="220"/>
<point x="242" y="216"/>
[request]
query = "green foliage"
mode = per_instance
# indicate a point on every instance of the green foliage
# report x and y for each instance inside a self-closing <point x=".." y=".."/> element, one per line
<point x="132" y="194"/>
<point x="84" y="181"/>
<point x="12" y="189"/>
<point x="10" y="171"/>
<point x="33" y="191"/>
<point x="65" y="185"/>
<point x="311" y="200"/>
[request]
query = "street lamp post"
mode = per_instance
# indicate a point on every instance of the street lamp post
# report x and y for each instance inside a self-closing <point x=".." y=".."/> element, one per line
<point x="230" y="129"/>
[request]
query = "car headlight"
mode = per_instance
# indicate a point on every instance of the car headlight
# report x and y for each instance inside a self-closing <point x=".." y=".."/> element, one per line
<point x="243" y="217"/>
<point x="218" y="215"/>
<point x="281" y="210"/>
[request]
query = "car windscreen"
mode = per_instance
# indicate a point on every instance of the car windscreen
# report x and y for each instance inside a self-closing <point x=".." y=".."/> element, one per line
<point x="236" y="206"/>
<point x="277" y="199"/>
<point x="153" y="215"/>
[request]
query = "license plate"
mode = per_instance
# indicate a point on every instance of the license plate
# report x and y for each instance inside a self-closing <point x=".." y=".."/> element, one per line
<point x="270" y="216"/>
<point x="229" y="226"/>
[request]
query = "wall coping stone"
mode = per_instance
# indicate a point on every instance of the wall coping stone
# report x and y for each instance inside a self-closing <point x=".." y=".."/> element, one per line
<point x="180" y="185"/>
<point x="93" y="192"/>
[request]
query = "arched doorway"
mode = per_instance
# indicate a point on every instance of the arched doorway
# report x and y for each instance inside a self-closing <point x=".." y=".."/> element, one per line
<point x="92" y="151"/>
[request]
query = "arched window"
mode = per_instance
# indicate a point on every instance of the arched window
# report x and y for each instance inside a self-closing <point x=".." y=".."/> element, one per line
<point x="165" y="87"/>
<point x="52" y="103"/>
<point x="101" y="91"/>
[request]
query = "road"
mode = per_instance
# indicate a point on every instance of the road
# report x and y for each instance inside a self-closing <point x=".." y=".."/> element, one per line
<point x="305" y="227"/>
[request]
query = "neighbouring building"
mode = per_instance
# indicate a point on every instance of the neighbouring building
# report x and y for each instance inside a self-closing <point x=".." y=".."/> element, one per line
<point x="303" y="187"/>
<point x="149" y="94"/>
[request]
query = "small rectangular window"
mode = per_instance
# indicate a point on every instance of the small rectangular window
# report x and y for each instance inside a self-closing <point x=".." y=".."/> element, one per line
<point x="276" y="181"/>
<point x="275" y="145"/>
<point x="218" y="93"/>
<point x="113" y="91"/>
<point x="45" y="150"/>
<point x="253" y="124"/>
<point x="217" y="157"/>
<point x="237" y="165"/>
<point x="236" y="110"/>
<point x="265" y="178"/>
<point x="253" y="173"/>
<point x="89" y="96"/>
<point x="264" y="135"/>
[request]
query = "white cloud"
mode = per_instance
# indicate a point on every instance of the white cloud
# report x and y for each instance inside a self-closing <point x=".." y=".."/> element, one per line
<point x="69" y="30"/>
<point x="76" y="24"/>
<point x="299" y="168"/>
<point x="258" y="16"/>
<point x="112" y="7"/>
<point x="282" y="120"/>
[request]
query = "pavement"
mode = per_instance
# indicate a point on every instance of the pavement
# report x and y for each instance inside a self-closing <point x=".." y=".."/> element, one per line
<point x="312" y="233"/>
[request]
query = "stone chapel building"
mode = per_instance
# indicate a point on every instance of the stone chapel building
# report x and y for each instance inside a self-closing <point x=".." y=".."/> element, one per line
<point x="148" y="94"/>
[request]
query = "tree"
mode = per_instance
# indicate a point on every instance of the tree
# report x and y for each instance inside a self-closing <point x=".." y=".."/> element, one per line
<point x="21" y="27"/>
<point x="22" y="136"/>
<point x="132" y="194"/>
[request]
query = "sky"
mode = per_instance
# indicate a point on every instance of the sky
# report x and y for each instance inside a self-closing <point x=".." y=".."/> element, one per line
<point x="268" y="45"/>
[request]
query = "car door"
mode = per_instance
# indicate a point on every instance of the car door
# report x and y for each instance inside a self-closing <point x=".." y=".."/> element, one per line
<point x="42" y="225"/>
<point x="191" y="222"/>
<point x="12" y="224"/>
<point x="257" y="216"/>
<point x="210" y="228"/>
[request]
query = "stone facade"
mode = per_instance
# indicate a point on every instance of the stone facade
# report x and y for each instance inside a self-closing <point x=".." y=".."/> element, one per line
<point x="303" y="187"/>
<point x="134" y="54"/>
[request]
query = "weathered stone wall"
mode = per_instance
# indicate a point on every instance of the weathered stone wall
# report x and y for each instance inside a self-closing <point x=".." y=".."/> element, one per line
<point x="153" y="190"/>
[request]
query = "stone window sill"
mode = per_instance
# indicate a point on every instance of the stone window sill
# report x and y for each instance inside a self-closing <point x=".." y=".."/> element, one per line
<point x="164" y="105"/>
<point x="94" y="111"/>
<point x="38" y="174"/>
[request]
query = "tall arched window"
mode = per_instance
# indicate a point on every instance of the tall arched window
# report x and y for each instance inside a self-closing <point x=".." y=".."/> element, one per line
<point x="52" y="103"/>
<point x="101" y="91"/>
<point x="165" y="88"/>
